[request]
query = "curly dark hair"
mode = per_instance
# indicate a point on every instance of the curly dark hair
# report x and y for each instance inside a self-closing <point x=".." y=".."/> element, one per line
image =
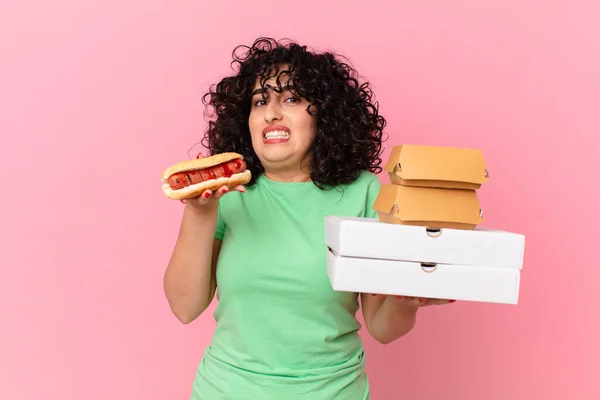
<point x="349" y="129"/>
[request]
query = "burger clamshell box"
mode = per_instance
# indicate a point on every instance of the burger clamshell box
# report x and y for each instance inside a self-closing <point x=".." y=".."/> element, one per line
<point x="369" y="256"/>
<point x="436" y="166"/>
<point x="427" y="206"/>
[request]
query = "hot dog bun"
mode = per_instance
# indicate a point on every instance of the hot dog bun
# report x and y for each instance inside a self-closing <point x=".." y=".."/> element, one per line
<point x="197" y="189"/>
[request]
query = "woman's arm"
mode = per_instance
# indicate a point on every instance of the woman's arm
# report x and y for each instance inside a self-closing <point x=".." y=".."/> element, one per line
<point x="189" y="280"/>
<point x="388" y="318"/>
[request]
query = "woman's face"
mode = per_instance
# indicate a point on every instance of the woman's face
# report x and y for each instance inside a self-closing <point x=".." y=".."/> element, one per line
<point x="282" y="130"/>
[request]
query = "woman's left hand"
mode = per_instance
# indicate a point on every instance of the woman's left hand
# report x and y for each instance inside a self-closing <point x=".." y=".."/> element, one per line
<point x="420" y="301"/>
<point x="389" y="317"/>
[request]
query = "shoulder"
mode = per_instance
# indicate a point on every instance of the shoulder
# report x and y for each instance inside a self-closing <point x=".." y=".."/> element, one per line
<point x="229" y="201"/>
<point x="232" y="198"/>
<point x="358" y="196"/>
<point x="235" y="201"/>
<point x="366" y="180"/>
<point x="365" y="186"/>
<point x="369" y="177"/>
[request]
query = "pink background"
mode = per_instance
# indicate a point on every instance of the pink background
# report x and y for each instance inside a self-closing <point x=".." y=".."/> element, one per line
<point x="97" y="98"/>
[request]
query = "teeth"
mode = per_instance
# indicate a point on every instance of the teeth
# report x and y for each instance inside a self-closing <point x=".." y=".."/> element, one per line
<point x="277" y="135"/>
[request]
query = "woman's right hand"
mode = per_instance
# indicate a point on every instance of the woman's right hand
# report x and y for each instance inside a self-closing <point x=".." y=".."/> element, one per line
<point x="208" y="199"/>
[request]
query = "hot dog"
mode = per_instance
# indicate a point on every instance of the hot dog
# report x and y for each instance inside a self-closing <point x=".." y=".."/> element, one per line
<point x="190" y="178"/>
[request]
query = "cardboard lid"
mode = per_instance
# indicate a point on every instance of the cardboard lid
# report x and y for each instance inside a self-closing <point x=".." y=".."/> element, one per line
<point x="429" y="205"/>
<point x="435" y="163"/>
<point x="372" y="239"/>
<point x="405" y="278"/>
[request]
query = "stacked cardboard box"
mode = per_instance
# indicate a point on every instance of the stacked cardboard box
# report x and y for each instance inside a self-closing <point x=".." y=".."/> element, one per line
<point x="433" y="186"/>
<point x="427" y="240"/>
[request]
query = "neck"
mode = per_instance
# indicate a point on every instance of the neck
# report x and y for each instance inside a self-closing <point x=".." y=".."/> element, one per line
<point x="280" y="172"/>
<point x="287" y="176"/>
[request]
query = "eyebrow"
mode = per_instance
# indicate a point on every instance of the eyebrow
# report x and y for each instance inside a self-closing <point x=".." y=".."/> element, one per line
<point x="273" y="88"/>
<point x="258" y="91"/>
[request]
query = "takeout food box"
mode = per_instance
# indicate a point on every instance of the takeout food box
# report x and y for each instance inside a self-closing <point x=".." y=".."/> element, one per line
<point x="428" y="206"/>
<point x="369" y="256"/>
<point x="437" y="166"/>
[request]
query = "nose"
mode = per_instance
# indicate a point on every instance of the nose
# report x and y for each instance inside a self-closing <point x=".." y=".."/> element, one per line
<point x="273" y="111"/>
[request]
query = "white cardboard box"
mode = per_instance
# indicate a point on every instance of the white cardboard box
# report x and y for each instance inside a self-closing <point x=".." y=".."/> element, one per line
<point x="366" y="255"/>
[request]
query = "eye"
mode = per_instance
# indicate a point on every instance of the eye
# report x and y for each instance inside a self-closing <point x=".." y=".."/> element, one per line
<point x="260" y="102"/>
<point x="292" y="99"/>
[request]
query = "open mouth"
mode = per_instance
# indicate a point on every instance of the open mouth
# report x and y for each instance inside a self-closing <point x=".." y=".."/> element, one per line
<point x="274" y="135"/>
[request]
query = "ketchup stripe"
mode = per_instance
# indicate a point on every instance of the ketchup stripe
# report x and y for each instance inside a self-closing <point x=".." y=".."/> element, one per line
<point x="226" y="169"/>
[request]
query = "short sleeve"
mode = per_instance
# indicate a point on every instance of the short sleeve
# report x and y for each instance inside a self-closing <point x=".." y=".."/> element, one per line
<point x="372" y="193"/>
<point x="220" y="228"/>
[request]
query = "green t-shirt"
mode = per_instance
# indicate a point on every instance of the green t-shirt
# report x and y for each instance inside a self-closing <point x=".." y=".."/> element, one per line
<point x="282" y="332"/>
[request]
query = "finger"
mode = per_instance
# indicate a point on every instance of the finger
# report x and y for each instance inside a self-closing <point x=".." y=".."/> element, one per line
<point x="416" y="301"/>
<point x="204" y="197"/>
<point x="240" y="188"/>
<point x="220" y="192"/>
<point x="420" y="301"/>
<point x="439" y="302"/>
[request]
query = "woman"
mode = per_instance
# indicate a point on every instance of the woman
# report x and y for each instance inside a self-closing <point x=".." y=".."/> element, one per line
<point x="311" y="136"/>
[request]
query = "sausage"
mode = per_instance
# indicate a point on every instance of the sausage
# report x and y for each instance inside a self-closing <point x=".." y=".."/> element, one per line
<point x="224" y="170"/>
